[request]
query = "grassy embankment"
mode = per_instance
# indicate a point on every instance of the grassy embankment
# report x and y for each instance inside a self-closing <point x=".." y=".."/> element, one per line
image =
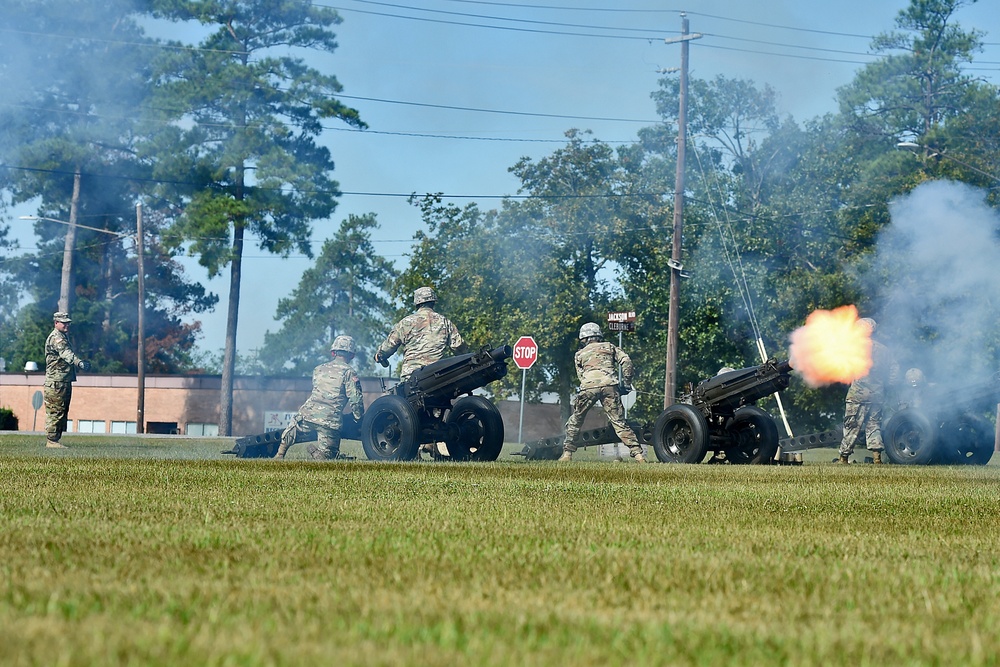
<point x="116" y="553"/>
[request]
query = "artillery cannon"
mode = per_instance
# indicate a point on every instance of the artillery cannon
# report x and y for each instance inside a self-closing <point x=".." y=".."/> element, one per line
<point x="944" y="427"/>
<point x="721" y="417"/>
<point x="421" y="410"/>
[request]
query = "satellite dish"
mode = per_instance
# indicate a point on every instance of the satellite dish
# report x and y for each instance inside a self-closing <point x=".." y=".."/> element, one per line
<point x="31" y="367"/>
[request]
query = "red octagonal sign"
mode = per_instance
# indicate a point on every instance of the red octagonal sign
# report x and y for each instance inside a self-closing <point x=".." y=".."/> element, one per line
<point x="525" y="352"/>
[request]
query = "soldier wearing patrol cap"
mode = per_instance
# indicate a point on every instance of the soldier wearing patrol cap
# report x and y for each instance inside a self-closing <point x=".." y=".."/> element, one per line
<point x="597" y="365"/>
<point x="335" y="384"/>
<point x="425" y="335"/>
<point x="60" y="373"/>
<point x="863" y="411"/>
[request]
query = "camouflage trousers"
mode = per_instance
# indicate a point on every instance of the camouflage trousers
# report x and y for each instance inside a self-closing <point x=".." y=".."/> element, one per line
<point x="612" y="403"/>
<point x="862" y="425"/>
<point x="327" y="439"/>
<point x="57" y="396"/>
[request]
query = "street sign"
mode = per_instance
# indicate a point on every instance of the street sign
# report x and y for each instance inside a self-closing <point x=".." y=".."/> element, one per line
<point x="525" y="352"/>
<point x="621" y="321"/>
<point x="36" y="400"/>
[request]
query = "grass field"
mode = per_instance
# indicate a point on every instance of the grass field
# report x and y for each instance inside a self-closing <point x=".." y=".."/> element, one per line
<point x="165" y="552"/>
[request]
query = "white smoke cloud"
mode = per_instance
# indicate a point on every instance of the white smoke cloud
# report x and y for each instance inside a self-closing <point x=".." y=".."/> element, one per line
<point x="939" y="263"/>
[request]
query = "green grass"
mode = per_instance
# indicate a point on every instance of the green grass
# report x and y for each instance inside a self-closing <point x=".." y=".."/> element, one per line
<point x="166" y="552"/>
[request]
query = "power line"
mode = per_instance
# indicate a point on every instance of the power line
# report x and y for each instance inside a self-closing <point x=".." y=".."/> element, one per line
<point x="496" y="111"/>
<point x="657" y="37"/>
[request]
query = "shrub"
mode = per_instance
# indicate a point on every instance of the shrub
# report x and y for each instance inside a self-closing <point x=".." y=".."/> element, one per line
<point x="8" y="420"/>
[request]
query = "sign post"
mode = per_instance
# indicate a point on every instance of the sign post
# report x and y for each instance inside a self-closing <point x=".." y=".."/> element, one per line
<point x="621" y="321"/>
<point x="525" y="356"/>
<point x="36" y="402"/>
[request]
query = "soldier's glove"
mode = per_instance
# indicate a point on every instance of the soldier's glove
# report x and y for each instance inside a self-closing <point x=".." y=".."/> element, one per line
<point x="380" y="359"/>
<point x="85" y="366"/>
<point x="624" y="389"/>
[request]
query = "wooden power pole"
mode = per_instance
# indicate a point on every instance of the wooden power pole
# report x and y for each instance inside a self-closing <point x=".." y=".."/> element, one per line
<point x="140" y="248"/>
<point x="673" y="317"/>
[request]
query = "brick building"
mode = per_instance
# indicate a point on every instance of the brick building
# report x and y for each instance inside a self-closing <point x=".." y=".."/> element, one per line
<point x="189" y="404"/>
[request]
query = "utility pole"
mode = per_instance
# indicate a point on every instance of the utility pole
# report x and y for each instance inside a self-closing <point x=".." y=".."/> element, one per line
<point x="140" y="249"/>
<point x="66" y="282"/>
<point x="673" y="317"/>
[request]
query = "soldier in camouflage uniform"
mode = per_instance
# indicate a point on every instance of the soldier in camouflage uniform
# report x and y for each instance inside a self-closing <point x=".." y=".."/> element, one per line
<point x="335" y="384"/>
<point x="863" y="413"/>
<point x="425" y="336"/>
<point x="597" y="365"/>
<point x="60" y="372"/>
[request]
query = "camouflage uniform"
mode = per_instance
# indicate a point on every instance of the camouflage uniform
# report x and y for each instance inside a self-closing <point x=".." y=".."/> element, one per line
<point x="863" y="413"/>
<point x="60" y="373"/>
<point x="424" y="335"/>
<point x="597" y="367"/>
<point x="335" y="384"/>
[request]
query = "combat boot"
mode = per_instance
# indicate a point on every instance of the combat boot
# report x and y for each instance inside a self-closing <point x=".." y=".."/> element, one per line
<point x="566" y="456"/>
<point x="639" y="458"/>
<point x="282" y="449"/>
<point x="315" y="454"/>
<point x="54" y="444"/>
<point x="844" y="459"/>
<point x="877" y="457"/>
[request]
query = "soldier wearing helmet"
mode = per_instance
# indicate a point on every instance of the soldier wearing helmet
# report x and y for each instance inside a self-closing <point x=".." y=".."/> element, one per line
<point x="335" y="384"/>
<point x="597" y="366"/>
<point x="863" y="411"/>
<point x="913" y="390"/>
<point x="60" y="373"/>
<point x="425" y="335"/>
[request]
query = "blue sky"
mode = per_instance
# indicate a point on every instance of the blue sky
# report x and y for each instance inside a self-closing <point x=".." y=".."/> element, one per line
<point x="456" y="91"/>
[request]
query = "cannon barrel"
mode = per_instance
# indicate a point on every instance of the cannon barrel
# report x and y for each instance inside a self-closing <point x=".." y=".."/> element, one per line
<point x="451" y="377"/>
<point x="729" y="391"/>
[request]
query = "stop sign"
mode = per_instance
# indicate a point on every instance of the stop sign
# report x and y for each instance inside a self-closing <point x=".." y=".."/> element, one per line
<point x="525" y="352"/>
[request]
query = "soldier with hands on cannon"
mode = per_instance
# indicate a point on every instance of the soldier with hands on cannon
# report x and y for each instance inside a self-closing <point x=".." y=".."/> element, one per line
<point x="597" y="365"/>
<point x="60" y="373"/>
<point x="425" y="335"/>
<point x="335" y="384"/>
<point x="865" y="399"/>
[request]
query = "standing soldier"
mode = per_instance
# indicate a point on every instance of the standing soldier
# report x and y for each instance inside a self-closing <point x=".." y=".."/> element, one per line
<point x="863" y="412"/>
<point x="597" y="365"/>
<point x="335" y="384"/>
<point x="60" y="372"/>
<point x="424" y="335"/>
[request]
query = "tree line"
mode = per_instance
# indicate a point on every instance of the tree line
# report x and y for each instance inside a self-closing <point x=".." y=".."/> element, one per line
<point x="219" y="140"/>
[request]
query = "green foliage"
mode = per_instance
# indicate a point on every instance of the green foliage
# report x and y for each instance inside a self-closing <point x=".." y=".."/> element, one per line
<point x="917" y="83"/>
<point x="63" y="119"/>
<point x="8" y="420"/>
<point x="239" y="117"/>
<point x="344" y="292"/>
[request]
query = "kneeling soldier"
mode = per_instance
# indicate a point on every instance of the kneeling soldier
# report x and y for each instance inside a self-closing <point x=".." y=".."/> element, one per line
<point x="335" y="384"/>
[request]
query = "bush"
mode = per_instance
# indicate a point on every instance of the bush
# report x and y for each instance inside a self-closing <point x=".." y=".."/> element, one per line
<point x="8" y="420"/>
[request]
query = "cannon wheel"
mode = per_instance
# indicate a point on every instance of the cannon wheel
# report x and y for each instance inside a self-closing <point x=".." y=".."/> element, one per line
<point x="755" y="436"/>
<point x="909" y="438"/>
<point x="480" y="430"/>
<point x="390" y="430"/>
<point x="968" y="439"/>
<point x="680" y="435"/>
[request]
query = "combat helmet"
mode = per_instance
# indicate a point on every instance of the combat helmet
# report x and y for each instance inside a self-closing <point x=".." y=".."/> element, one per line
<point x="914" y="377"/>
<point x="423" y="295"/>
<point x="343" y="344"/>
<point x="590" y="330"/>
<point x="868" y="322"/>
